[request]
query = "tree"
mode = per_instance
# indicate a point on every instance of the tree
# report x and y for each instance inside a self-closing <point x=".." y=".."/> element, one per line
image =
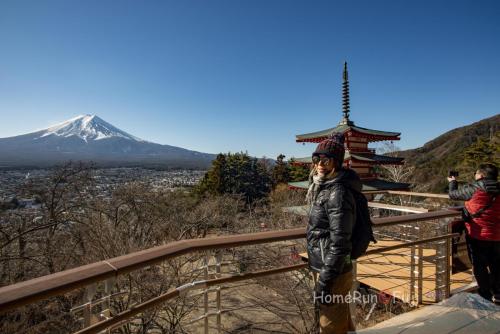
<point x="396" y="173"/>
<point x="298" y="172"/>
<point x="281" y="171"/>
<point x="483" y="151"/>
<point x="74" y="227"/>
<point x="236" y="174"/>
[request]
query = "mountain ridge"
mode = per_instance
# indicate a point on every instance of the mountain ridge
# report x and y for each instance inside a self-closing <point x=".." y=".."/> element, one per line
<point x="447" y="152"/>
<point x="90" y="138"/>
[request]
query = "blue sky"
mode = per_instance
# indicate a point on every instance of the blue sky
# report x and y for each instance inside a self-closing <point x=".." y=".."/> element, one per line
<point x="240" y="75"/>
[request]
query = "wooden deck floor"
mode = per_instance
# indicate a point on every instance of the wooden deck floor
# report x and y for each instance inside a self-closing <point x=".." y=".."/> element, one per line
<point x="390" y="272"/>
<point x="463" y="313"/>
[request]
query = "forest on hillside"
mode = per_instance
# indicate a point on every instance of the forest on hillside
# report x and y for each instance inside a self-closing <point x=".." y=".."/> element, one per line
<point x="461" y="149"/>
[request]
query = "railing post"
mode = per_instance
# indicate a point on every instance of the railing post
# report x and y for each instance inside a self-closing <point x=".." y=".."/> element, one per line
<point x="420" y="270"/>
<point x="108" y="289"/>
<point x="443" y="263"/>
<point x="205" y="294"/>
<point x="439" y="271"/>
<point x="412" y="274"/>
<point x="447" y="230"/>
<point x="354" y="287"/>
<point x="416" y="267"/>
<point x="218" y="260"/>
<point x="90" y="291"/>
<point x="316" y="303"/>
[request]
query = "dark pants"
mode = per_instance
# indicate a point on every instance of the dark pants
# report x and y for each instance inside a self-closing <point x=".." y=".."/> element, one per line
<point x="485" y="258"/>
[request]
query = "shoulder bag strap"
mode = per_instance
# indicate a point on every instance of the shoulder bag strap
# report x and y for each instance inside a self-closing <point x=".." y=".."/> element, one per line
<point x="480" y="211"/>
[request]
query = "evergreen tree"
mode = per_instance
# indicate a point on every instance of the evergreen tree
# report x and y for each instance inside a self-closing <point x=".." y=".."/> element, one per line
<point x="298" y="172"/>
<point x="281" y="171"/>
<point x="237" y="174"/>
<point x="482" y="151"/>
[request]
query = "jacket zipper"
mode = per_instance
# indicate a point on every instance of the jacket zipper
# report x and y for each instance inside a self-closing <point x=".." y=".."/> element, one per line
<point x="322" y="251"/>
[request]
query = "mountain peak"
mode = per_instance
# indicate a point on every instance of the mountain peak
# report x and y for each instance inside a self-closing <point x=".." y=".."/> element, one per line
<point x="87" y="127"/>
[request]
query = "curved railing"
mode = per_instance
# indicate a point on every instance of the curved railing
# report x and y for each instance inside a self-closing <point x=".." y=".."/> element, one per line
<point x="40" y="288"/>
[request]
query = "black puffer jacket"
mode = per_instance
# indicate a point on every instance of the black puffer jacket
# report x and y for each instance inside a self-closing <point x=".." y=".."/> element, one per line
<point x="331" y="219"/>
<point x="466" y="192"/>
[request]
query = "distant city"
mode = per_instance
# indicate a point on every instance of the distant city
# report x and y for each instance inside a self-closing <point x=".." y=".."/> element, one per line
<point x="107" y="179"/>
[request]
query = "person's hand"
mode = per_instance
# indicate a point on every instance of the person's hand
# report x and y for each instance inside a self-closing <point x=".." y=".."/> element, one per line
<point x="451" y="178"/>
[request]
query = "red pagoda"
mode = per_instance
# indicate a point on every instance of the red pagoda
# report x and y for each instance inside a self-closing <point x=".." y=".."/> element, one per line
<point x="358" y="156"/>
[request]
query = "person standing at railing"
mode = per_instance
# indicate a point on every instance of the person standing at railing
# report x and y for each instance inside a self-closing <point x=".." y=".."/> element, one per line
<point x="331" y="221"/>
<point x="482" y="222"/>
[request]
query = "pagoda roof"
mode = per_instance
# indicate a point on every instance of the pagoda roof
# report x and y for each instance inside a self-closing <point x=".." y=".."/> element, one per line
<point x="344" y="127"/>
<point x="373" y="184"/>
<point x="362" y="157"/>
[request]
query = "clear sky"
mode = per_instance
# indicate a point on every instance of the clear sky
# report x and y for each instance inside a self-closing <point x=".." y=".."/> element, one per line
<point x="239" y="75"/>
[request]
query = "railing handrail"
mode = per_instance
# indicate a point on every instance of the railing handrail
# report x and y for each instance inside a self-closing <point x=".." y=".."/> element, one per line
<point x="413" y="218"/>
<point x="22" y="293"/>
<point x="407" y="193"/>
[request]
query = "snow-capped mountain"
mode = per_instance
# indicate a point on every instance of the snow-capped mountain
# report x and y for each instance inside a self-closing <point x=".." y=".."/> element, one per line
<point x="89" y="138"/>
<point x="87" y="127"/>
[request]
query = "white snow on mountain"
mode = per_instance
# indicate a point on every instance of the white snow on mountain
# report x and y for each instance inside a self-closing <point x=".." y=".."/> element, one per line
<point x="87" y="127"/>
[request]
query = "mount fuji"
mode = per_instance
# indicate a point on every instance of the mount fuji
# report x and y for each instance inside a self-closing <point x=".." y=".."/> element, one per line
<point x="90" y="138"/>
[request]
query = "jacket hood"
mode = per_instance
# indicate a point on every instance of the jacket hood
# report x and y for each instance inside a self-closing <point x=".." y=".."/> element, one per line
<point x="349" y="178"/>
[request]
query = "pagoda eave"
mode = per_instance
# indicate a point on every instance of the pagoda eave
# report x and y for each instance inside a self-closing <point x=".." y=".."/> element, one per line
<point x="376" y="139"/>
<point x="378" y="162"/>
<point x="372" y="139"/>
<point x="351" y="133"/>
<point x="311" y="140"/>
<point x="358" y="132"/>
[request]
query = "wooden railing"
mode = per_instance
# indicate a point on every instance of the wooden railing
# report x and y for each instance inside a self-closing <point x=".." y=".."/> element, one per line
<point x="407" y="193"/>
<point x="96" y="328"/>
<point x="37" y="289"/>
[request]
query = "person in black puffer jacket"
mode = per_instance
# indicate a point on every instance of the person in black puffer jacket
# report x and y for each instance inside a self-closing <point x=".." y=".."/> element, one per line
<point x="331" y="220"/>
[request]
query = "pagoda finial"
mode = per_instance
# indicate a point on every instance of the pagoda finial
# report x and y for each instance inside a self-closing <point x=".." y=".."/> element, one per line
<point x="345" y="96"/>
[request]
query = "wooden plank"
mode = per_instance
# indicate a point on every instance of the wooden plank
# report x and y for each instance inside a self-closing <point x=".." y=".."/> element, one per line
<point x="411" y="193"/>
<point x="461" y="314"/>
<point x="401" y="208"/>
<point x="425" y="216"/>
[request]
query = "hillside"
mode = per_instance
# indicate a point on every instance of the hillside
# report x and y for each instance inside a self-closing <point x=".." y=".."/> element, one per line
<point x="459" y="149"/>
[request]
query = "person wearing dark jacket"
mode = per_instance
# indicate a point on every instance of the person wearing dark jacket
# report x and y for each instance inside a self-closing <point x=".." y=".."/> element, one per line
<point x="331" y="220"/>
<point x="482" y="207"/>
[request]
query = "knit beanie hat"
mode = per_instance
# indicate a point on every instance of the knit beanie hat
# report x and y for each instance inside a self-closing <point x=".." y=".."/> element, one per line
<point x="332" y="147"/>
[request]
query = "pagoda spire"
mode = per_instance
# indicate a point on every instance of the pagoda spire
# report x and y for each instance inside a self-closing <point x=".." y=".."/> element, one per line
<point x="345" y="97"/>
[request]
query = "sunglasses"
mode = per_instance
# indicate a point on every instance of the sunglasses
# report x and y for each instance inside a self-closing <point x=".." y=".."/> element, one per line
<point x="325" y="161"/>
